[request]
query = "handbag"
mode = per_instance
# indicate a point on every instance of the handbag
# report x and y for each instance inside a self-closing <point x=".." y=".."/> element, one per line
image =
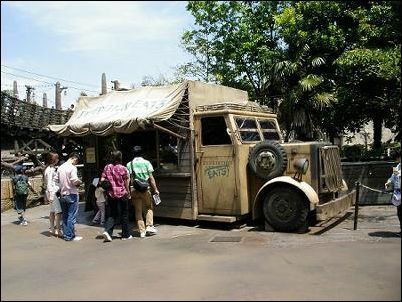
<point x="105" y="184"/>
<point x="139" y="185"/>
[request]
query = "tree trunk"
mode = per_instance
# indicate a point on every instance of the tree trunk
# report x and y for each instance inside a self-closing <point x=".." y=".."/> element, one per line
<point x="377" y="129"/>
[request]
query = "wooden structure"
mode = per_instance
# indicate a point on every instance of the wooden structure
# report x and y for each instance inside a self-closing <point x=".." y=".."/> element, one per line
<point x="20" y="114"/>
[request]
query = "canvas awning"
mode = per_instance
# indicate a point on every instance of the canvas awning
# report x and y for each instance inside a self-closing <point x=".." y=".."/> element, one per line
<point x="126" y="111"/>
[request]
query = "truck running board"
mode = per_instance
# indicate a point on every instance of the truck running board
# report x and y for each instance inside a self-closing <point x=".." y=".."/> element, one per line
<point x="216" y="218"/>
<point x="335" y="207"/>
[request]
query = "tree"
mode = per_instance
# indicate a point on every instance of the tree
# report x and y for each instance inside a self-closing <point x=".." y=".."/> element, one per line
<point x="301" y="57"/>
<point x="236" y="44"/>
<point x="356" y="40"/>
<point x="369" y="73"/>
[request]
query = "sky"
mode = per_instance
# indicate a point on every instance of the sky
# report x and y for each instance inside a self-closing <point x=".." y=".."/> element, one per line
<point x="75" y="42"/>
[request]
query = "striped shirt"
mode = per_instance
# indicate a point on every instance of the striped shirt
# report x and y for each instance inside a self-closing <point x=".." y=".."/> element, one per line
<point x="142" y="168"/>
<point x="117" y="175"/>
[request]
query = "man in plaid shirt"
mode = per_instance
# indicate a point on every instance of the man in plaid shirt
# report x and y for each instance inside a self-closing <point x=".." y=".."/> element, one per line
<point x="117" y="197"/>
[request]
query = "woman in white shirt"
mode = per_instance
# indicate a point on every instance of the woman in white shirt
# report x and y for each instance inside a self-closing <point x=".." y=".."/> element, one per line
<point x="52" y="186"/>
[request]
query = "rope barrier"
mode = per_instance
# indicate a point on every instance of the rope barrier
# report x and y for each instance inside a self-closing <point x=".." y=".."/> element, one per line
<point x="358" y="185"/>
<point x="375" y="190"/>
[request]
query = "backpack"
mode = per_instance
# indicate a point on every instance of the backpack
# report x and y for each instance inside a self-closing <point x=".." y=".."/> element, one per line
<point x="139" y="184"/>
<point x="21" y="187"/>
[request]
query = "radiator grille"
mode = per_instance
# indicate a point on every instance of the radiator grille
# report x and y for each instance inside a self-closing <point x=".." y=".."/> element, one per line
<point x="331" y="171"/>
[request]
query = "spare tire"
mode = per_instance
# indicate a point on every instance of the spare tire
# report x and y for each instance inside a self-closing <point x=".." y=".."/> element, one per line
<point x="268" y="159"/>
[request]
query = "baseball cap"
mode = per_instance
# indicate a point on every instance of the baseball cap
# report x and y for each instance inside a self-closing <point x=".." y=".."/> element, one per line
<point x="137" y="148"/>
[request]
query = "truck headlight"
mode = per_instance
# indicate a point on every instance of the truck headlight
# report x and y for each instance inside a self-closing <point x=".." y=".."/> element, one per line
<point x="301" y="165"/>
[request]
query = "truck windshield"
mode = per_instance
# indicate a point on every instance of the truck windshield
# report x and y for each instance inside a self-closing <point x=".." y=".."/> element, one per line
<point x="255" y="130"/>
<point x="269" y="130"/>
<point x="248" y="129"/>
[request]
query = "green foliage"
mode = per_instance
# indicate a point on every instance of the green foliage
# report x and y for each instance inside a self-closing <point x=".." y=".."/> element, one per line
<point x="322" y="65"/>
<point x="352" y="152"/>
<point x="236" y="44"/>
<point x="359" y="152"/>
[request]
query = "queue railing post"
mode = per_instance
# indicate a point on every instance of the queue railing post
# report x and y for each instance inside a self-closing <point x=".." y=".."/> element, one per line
<point x="356" y="205"/>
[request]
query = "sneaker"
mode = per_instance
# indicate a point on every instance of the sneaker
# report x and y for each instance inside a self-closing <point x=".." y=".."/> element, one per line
<point x="77" y="238"/>
<point x="58" y="233"/>
<point x="107" y="236"/>
<point x="24" y="222"/>
<point x="151" y="229"/>
<point x="127" y="238"/>
<point x="142" y="234"/>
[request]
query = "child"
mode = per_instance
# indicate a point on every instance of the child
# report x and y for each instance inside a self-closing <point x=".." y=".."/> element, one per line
<point x="21" y="185"/>
<point x="100" y="202"/>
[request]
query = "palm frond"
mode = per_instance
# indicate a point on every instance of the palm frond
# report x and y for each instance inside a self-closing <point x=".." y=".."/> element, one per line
<point x="324" y="99"/>
<point x="285" y="68"/>
<point x="318" y="61"/>
<point x="310" y="81"/>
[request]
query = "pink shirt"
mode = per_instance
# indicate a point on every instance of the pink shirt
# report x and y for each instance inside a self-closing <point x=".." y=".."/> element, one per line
<point x="117" y="175"/>
<point x="68" y="178"/>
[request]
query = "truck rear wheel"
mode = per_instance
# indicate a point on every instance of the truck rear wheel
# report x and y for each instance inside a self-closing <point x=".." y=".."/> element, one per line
<point x="268" y="159"/>
<point x="285" y="209"/>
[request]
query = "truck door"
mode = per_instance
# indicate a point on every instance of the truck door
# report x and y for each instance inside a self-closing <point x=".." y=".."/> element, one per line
<point x="216" y="167"/>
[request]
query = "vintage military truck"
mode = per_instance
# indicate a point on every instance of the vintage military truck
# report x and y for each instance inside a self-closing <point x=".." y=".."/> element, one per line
<point x="217" y="156"/>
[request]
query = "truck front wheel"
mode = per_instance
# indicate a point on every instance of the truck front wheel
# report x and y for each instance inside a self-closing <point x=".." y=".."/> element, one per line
<point x="285" y="209"/>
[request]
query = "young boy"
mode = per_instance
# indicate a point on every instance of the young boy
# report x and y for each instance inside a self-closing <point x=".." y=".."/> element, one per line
<point x="21" y="185"/>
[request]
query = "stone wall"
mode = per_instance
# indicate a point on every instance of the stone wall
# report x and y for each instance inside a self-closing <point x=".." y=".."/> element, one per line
<point x="7" y="191"/>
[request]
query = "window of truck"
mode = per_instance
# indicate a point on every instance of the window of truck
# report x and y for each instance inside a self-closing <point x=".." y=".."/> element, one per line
<point x="269" y="130"/>
<point x="248" y="129"/>
<point x="214" y="131"/>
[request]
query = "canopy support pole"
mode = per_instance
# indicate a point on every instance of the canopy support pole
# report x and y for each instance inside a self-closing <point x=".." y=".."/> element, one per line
<point x="168" y="131"/>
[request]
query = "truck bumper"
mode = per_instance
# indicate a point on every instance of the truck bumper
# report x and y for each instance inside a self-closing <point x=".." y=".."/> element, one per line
<point x="336" y="206"/>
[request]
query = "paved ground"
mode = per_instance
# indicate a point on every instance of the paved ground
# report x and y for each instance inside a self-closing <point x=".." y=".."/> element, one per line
<point x="187" y="262"/>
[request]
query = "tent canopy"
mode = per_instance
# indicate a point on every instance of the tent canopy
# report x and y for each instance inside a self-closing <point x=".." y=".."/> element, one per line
<point x="126" y="111"/>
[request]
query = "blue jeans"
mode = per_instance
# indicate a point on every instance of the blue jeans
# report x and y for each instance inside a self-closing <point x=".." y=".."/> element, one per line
<point x="69" y="205"/>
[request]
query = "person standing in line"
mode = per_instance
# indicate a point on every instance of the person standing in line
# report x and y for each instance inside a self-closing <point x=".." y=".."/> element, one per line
<point x="395" y="181"/>
<point x="99" y="217"/>
<point x="69" y="183"/>
<point x="51" y="187"/>
<point x="118" y="196"/>
<point x="142" y="169"/>
<point x="21" y="184"/>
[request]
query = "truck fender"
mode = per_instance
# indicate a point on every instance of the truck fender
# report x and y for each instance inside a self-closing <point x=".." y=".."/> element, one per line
<point x="302" y="186"/>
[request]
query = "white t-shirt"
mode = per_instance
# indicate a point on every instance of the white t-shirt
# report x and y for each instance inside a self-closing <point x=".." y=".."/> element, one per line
<point x="50" y="179"/>
<point x="100" y="194"/>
